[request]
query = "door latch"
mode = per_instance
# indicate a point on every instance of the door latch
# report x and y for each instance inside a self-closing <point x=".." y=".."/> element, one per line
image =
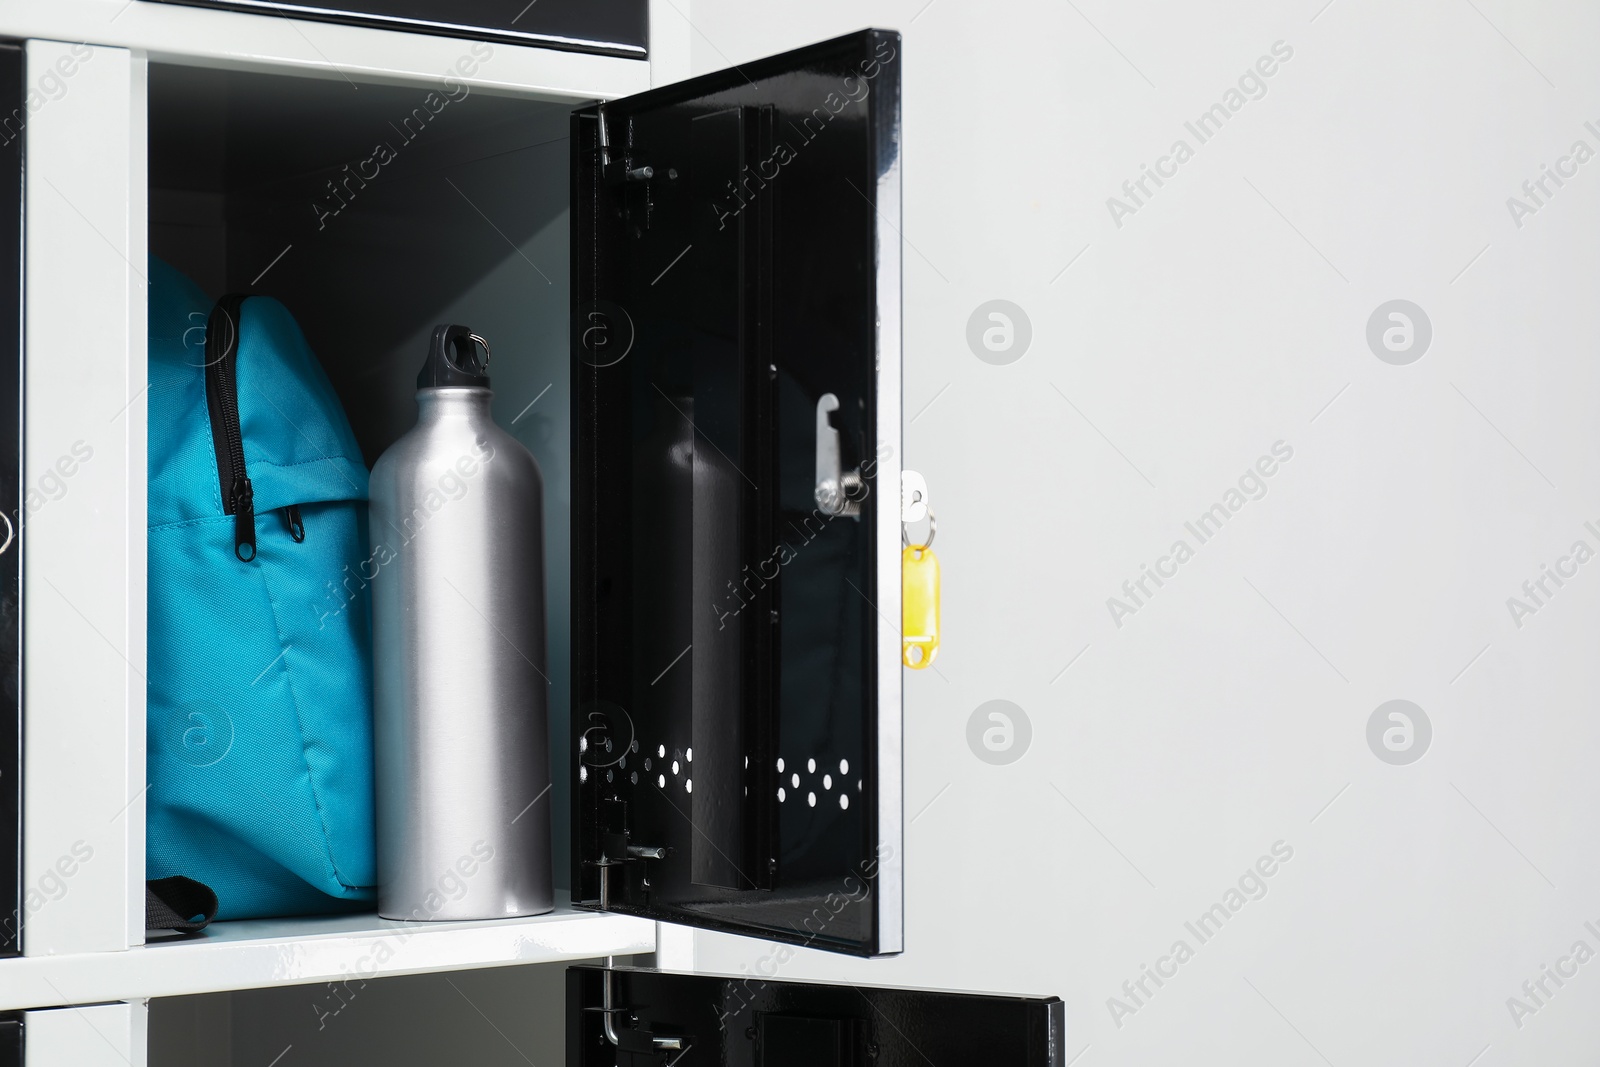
<point x="837" y="492"/>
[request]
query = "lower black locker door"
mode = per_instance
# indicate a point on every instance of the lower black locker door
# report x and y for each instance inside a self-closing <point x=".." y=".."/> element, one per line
<point x="736" y="503"/>
<point x="625" y="1017"/>
<point x="11" y="1040"/>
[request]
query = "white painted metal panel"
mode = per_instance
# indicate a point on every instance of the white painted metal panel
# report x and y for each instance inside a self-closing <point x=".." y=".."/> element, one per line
<point x="83" y="619"/>
<point x="1177" y="334"/>
<point x="674" y="947"/>
<point x="258" y="953"/>
<point x="671" y="41"/>
<point x="136" y="497"/>
<point x="102" y="1035"/>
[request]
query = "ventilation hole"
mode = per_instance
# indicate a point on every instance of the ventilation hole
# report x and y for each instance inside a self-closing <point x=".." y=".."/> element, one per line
<point x="608" y="744"/>
<point x="811" y="765"/>
<point x="674" y="766"/>
<point x="661" y="751"/>
<point x="583" y="744"/>
<point x="794" y="780"/>
<point x="622" y="764"/>
<point x="780" y="764"/>
<point x="688" y="785"/>
<point x="844" y="767"/>
<point x="844" y="801"/>
<point x="583" y="773"/>
<point x="689" y="755"/>
<point x="633" y="777"/>
<point x="647" y="763"/>
<point x="811" y="799"/>
<point x="747" y="763"/>
<point x="661" y="781"/>
<point x="610" y="776"/>
<point x="827" y="781"/>
<point x="782" y="796"/>
<point x="633" y="746"/>
<point x="858" y="785"/>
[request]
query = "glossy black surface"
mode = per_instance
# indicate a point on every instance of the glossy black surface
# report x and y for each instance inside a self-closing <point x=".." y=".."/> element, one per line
<point x="12" y="520"/>
<point x="609" y="27"/>
<point x="11" y="1040"/>
<point x="724" y="278"/>
<point x="746" y="1022"/>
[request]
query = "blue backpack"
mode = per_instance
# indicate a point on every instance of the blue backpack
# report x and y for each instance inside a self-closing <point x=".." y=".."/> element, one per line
<point x="259" y="692"/>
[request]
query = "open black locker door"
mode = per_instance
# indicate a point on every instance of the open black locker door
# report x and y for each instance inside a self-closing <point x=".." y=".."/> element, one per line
<point x="625" y="1017"/>
<point x="736" y="511"/>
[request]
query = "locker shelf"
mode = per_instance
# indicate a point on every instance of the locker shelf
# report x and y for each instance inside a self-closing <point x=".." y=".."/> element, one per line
<point x="251" y="954"/>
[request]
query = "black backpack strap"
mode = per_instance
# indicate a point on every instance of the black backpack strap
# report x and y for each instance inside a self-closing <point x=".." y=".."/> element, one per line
<point x="178" y="903"/>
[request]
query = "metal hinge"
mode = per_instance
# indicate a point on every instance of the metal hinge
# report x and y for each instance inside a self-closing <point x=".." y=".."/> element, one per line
<point x="616" y="850"/>
<point x="632" y="1039"/>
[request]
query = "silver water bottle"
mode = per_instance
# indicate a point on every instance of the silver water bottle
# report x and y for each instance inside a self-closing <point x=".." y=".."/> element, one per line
<point x="460" y="689"/>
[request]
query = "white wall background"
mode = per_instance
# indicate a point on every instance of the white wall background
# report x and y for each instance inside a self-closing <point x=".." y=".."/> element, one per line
<point x="1167" y="354"/>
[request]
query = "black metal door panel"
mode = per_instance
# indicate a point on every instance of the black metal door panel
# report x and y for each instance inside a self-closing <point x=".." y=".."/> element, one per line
<point x="11" y="1040"/>
<point x="12" y="514"/>
<point x="708" y="1021"/>
<point x="736" y="295"/>
<point x="609" y="27"/>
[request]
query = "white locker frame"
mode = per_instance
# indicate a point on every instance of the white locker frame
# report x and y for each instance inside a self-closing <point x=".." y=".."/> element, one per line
<point x="98" y="1035"/>
<point x="83" y="612"/>
<point x="84" y="707"/>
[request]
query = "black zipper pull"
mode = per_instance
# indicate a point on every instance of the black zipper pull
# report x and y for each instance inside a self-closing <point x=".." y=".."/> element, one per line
<point x="244" y="520"/>
<point x="297" y="526"/>
<point x="222" y="405"/>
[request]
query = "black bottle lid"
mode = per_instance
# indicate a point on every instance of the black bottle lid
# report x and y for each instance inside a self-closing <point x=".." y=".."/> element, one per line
<point x="456" y="357"/>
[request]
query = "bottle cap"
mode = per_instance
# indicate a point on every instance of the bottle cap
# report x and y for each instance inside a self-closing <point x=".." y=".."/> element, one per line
<point x="454" y="359"/>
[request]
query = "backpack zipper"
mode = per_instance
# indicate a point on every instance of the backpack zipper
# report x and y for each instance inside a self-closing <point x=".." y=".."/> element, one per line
<point x="222" y="402"/>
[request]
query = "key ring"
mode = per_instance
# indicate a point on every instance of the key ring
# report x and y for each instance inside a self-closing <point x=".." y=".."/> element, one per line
<point x="485" y="344"/>
<point x="933" y="528"/>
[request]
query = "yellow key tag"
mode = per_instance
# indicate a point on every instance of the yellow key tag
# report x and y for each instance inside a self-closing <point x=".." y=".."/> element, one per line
<point x="919" y="606"/>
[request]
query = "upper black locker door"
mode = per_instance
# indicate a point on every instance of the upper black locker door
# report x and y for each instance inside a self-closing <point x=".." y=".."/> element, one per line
<point x="610" y="27"/>
<point x="736" y="515"/>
